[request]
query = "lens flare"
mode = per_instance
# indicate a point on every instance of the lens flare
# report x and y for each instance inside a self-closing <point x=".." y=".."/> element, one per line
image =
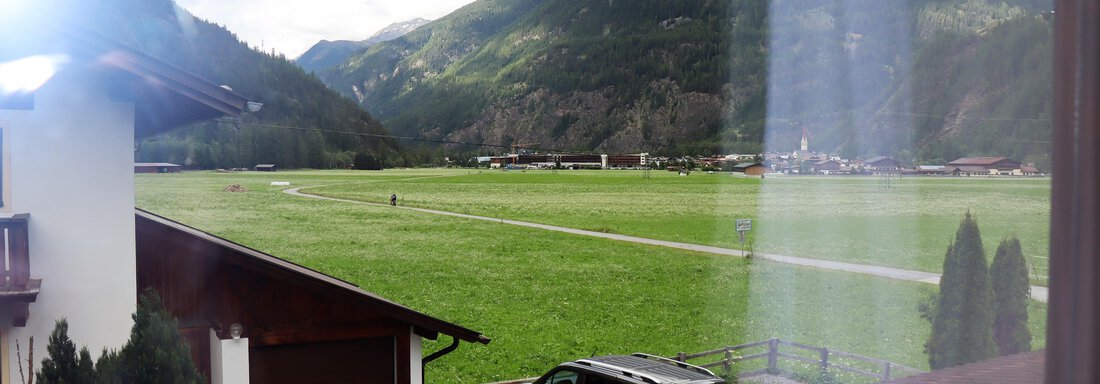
<point x="28" y="74"/>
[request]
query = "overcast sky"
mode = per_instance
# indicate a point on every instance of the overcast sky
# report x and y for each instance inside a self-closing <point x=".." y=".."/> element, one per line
<point x="292" y="26"/>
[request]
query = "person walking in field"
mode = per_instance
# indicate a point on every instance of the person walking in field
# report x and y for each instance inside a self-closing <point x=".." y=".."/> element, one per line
<point x="393" y="199"/>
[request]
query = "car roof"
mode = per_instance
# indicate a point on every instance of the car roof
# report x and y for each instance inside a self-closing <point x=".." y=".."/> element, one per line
<point x="649" y="369"/>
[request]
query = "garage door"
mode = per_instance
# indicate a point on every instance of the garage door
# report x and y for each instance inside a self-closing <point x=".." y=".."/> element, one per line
<point x="365" y="361"/>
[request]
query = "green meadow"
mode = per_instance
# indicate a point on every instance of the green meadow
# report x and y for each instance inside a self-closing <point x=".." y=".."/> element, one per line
<point x="546" y="297"/>
<point x="907" y="223"/>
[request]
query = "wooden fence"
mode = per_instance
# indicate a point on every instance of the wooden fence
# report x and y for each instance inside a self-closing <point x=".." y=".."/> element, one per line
<point x="777" y="351"/>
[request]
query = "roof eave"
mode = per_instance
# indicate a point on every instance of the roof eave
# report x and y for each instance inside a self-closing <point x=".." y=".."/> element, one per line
<point x="398" y="311"/>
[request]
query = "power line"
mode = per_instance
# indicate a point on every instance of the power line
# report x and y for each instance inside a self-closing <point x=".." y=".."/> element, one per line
<point x="961" y="118"/>
<point x="408" y="138"/>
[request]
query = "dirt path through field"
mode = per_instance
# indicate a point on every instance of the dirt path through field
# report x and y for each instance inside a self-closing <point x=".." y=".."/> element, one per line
<point x="1037" y="293"/>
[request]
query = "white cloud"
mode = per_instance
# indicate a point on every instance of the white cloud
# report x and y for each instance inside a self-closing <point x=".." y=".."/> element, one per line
<point x="292" y="26"/>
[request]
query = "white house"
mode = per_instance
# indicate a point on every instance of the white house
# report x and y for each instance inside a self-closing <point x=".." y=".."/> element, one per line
<point x="71" y="106"/>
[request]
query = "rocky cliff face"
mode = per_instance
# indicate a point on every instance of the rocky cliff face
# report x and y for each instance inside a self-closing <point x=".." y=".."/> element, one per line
<point x="583" y="121"/>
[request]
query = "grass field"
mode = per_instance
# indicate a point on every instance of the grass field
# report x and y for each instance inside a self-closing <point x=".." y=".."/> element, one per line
<point x="854" y="219"/>
<point x="548" y="297"/>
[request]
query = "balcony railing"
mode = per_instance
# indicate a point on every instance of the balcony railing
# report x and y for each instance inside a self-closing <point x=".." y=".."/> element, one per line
<point x="14" y="248"/>
<point x="17" y="289"/>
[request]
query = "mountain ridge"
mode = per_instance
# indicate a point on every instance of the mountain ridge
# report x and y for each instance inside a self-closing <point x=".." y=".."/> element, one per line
<point x="327" y="54"/>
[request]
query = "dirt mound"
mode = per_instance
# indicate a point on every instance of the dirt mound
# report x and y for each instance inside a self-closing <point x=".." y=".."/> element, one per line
<point x="235" y="188"/>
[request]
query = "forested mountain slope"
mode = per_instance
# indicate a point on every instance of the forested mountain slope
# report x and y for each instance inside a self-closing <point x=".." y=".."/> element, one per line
<point x="290" y="96"/>
<point x="695" y="76"/>
<point x="590" y="75"/>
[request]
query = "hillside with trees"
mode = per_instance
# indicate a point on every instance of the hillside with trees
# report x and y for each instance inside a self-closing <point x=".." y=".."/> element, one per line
<point x="612" y="76"/>
<point x="290" y="96"/>
<point x="693" y="77"/>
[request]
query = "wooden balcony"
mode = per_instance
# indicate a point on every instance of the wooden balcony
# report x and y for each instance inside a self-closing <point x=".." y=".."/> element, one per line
<point x="17" y="288"/>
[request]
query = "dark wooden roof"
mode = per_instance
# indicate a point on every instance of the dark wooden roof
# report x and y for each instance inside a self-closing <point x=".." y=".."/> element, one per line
<point x="985" y="161"/>
<point x="1014" y="369"/>
<point x="261" y="260"/>
<point x="164" y="95"/>
<point x="156" y="165"/>
<point x="880" y="159"/>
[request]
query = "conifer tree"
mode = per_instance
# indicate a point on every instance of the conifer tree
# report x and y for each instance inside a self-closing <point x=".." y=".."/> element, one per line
<point x="962" y="329"/>
<point x="155" y="353"/>
<point x="62" y="364"/>
<point x="1011" y="289"/>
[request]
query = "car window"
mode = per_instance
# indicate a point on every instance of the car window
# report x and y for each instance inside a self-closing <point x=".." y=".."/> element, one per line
<point x="563" y="377"/>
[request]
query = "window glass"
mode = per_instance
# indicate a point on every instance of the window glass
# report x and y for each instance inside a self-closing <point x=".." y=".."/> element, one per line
<point x="564" y="377"/>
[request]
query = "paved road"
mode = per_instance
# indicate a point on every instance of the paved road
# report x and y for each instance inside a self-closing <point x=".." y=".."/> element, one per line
<point x="1037" y="293"/>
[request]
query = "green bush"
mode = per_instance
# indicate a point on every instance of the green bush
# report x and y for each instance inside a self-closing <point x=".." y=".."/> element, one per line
<point x="155" y="353"/>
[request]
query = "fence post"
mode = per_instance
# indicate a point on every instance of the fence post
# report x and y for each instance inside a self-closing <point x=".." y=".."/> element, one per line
<point x="727" y="363"/>
<point x="773" y="354"/>
<point x="885" y="371"/>
<point x="824" y="359"/>
<point x="681" y="357"/>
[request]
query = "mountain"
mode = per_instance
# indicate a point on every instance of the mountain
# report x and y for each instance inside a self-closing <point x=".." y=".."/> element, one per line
<point x="615" y="76"/>
<point x="689" y="77"/>
<point x="291" y="97"/>
<point x="395" y="30"/>
<point x="327" y="54"/>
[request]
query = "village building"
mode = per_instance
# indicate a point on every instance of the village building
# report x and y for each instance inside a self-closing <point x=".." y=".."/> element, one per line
<point x="930" y="169"/>
<point x="157" y="168"/>
<point x="628" y="161"/>
<point x="77" y="250"/>
<point x="826" y="167"/>
<point x="984" y="166"/>
<point x="751" y="168"/>
<point x="882" y="165"/>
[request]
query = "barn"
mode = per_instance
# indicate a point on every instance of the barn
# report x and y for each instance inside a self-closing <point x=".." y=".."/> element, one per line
<point x="157" y="168"/>
<point x="751" y="168"/>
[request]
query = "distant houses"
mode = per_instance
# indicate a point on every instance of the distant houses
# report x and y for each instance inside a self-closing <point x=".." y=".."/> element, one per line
<point x="797" y="162"/>
<point x="571" y="161"/>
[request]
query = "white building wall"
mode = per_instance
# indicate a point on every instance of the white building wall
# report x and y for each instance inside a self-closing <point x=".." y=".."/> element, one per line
<point x="416" y="356"/>
<point x="228" y="360"/>
<point x="72" y="171"/>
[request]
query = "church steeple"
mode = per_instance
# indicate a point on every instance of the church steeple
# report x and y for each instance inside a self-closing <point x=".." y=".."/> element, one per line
<point x="805" y="141"/>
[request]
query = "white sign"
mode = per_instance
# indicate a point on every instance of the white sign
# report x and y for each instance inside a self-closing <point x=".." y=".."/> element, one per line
<point x="744" y="225"/>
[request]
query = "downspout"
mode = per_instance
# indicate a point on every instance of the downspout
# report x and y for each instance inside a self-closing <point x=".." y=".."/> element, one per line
<point x="438" y="354"/>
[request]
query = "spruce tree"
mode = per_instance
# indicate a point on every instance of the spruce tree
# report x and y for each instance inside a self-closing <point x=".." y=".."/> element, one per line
<point x="62" y="364"/>
<point x="1011" y="289"/>
<point x="155" y="353"/>
<point x="962" y="330"/>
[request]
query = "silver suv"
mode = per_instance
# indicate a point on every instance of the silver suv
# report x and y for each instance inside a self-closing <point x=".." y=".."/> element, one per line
<point x="638" y="368"/>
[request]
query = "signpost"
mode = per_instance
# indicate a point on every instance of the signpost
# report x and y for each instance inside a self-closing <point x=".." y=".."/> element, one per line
<point x="743" y="225"/>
